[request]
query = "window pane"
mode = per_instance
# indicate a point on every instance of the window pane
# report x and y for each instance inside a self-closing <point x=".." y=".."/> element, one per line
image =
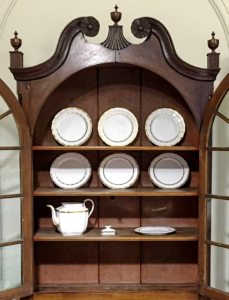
<point x="224" y="106"/>
<point x="219" y="274"/>
<point x="10" y="220"/>
<point x="220" y="133"/>
<point x="10" y="176"/>
<point x="10" y="267"/>
<point x="220" y="173"/>
<point x="219" y="221"/>
<point x="3" y="106"/>
<point x="9" y="135"/>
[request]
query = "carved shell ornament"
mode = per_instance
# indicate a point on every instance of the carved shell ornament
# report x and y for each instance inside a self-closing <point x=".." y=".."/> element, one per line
<point x="115" y="39"/>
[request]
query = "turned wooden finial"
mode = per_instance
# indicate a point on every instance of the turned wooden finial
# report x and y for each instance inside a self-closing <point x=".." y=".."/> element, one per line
<point x="213" y="43"/>
<point x="116" y="16"/>
<point x="213" y="57"/>
<point x="16" y="42"/>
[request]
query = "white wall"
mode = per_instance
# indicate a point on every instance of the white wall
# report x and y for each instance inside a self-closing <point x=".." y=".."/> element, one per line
<point x="190" y="23"/>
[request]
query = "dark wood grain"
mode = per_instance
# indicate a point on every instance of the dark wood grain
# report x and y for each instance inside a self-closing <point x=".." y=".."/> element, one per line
<point x="122" y="234"/>
<point x="119" y="262"/>
<point x="189" y="191"/>
<point x="117" y="292"/>
<point x="169" y="211"/>
<point x="64" y="263"/>
<point x="166" y="263"/>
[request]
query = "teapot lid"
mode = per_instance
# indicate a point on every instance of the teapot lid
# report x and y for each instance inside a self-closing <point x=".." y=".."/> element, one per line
<point x="72" y="207"/>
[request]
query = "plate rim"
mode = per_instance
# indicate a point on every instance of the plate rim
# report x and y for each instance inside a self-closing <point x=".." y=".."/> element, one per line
<point x="163" y="187"/>
<point x="87" y="178"/>
<point x="115" y="188"/>
<point x="111" y="143"/>
<point x="164" y="143"/>
<point x="56" y="137"/>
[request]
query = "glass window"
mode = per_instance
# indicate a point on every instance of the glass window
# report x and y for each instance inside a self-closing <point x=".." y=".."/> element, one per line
<point x="224" y="106"/>
<point x="10" y="267"/>
<point x="220" y="175"/>
<point x="219" y="275"/>
<point x="9" y="132"/>
<point x="10" y="220"/>
<point x="3" y="106"/>
<point x="10" y="175"/>
<point x="219" y="133"/>
<point x="218" y="217"/>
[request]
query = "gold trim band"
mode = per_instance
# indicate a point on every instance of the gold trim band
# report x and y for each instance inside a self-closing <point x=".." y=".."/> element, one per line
<point x="69" y="212"/>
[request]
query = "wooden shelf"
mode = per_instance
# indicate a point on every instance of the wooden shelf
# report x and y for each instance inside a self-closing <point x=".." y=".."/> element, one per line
<point x="157" y="291"/>
<point x="122" y="234"/>
<point x="107" y="148"/>
<point x="189" y="191"/>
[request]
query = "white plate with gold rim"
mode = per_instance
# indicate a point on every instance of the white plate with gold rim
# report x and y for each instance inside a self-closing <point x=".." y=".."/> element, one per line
<point x="118" y="127"/>
<point x="165" y="127"/>
<point x="70" y="170"/>
<point x="168" y="171"/>
<point x="71" y="126"/>
<point x="155" y="230"/>
<point x="118" y="171"/>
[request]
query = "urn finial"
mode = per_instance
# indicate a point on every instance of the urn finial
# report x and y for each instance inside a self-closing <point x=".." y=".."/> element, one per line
<point x="213" y="43"/>
<point x="116" y="16"/>
<point x="16" y="42"/>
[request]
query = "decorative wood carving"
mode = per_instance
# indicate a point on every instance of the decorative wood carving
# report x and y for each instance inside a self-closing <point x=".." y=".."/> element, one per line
<point x="213" y="57"/>
<point x="89" y="26"/>
<point x="140" y="28"/>
<point x="16" y="57"/>
<point x="56" y="61"/>
<point x="115" y="39"/>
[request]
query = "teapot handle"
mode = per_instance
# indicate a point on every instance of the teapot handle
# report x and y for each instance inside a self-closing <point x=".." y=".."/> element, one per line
<point x="92" y="206"/>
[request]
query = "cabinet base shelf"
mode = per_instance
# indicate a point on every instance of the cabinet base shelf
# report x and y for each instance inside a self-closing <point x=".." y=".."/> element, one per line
<point x="122" y="234"/>
<point x="117" y="292"/>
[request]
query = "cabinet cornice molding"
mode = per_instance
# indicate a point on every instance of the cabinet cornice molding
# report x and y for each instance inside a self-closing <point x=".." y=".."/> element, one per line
<point x="141" y="27"/>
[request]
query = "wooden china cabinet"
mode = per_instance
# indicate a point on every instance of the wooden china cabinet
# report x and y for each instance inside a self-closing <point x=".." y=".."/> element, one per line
<point x="95" y="78"/>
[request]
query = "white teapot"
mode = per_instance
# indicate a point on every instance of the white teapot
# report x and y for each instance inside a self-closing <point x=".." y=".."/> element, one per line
<point x="71" y="218"/>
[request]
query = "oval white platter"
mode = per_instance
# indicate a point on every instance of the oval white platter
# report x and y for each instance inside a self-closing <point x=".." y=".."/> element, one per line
<point x="165" y="127"/>
<point x="70" y="170"/>
<point x="155" y="230"/>
<point x="118" y="127"/>
<point x="118" y="171"/>
<point x="169" y="171"/>
<point x="71" y="126"/>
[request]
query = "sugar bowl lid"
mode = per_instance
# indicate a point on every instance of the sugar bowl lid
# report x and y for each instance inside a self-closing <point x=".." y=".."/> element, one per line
<point x="108" y="230"/>
<point x="72" y="207"/>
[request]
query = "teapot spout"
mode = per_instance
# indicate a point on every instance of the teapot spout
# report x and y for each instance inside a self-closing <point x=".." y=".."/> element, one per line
<point x="54" y="217"/>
